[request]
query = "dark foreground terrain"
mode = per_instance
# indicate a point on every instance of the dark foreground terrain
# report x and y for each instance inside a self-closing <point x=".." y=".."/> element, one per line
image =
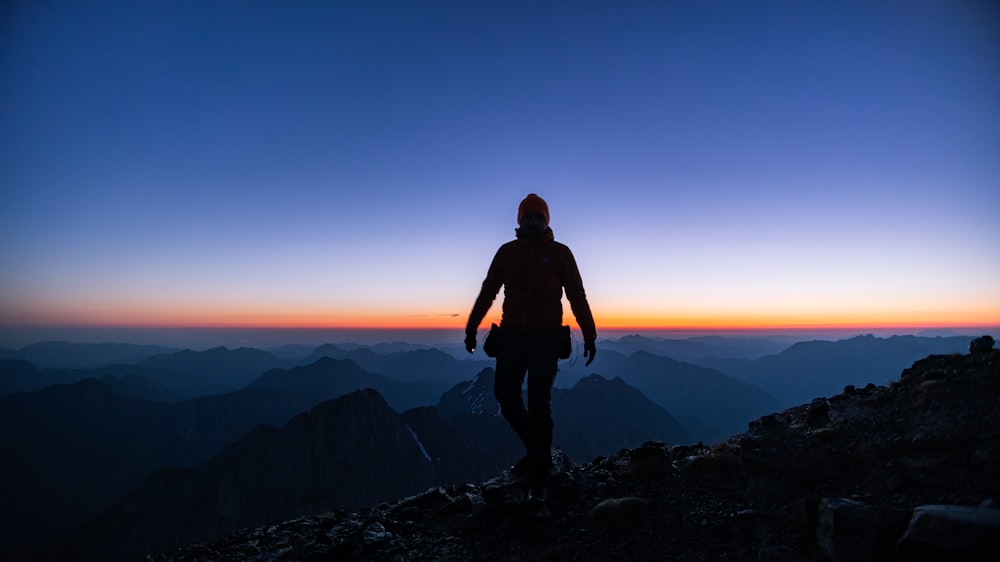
<point x="908" y="471"/>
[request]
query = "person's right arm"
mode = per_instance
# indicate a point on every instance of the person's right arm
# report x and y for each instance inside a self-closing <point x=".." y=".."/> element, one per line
<point x="487" y="294"/>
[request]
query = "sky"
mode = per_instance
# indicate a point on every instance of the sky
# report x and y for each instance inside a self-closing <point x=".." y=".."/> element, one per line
<point x="357" y="164"/>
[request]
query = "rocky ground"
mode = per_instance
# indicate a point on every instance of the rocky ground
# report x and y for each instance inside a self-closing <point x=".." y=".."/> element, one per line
<point x="908" y="471"/>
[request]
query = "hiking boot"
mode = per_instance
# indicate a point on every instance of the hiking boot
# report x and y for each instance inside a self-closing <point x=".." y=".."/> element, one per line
<point x="522" y="468"/>
<point x="538" y="491"/>
<point x="538" y="483"/>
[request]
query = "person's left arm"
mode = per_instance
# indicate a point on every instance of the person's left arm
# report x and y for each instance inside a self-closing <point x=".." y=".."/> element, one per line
<point x="577" y="297"/>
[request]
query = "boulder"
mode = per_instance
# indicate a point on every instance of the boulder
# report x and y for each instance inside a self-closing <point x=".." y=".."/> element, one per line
<point x="951" y="532"/>
<point x="851" y="531"/>
<point x="982" y="344"/>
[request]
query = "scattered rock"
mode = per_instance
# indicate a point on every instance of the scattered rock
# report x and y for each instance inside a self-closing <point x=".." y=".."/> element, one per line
<point x="850" y="531"/>
<point x="982" y="344"/>
<point x="617" y="513"/>
<point x="951" y="532"/>
<point x="650" y="462"/>
<point x="818" y="414"/>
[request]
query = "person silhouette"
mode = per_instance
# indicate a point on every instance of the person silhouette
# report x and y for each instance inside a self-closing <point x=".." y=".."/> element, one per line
<point x="534" y="270"/>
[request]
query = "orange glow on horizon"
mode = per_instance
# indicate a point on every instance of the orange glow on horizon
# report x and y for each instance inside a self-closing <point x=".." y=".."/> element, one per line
<point x="362" y="316"/>
<point x="805" y="321"/>
<point x="616" y="324"/>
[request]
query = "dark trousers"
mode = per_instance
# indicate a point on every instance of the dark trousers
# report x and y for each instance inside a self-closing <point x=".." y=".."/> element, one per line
<point x="532" y="354"/>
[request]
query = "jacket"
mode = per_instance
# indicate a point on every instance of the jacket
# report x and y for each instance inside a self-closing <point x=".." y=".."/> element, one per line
<point x="534" y="273"/>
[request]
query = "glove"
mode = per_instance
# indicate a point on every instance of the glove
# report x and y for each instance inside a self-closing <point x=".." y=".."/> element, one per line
<point x="589" y="350"/>
<point x="470" y="342"/>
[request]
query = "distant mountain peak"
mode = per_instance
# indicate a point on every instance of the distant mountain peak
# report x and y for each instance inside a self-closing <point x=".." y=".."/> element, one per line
<point x="470" y="397"/>
<point x="327" y="362"/>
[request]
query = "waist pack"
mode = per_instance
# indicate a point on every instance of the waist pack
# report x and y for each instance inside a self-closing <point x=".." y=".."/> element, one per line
<point x="564" y="342"/>
<point x="491" y="345"/>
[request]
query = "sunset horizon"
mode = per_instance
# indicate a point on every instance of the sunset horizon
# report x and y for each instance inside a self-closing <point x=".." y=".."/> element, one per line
<point x="612" y="325"/>
<point x="686" y="316"/>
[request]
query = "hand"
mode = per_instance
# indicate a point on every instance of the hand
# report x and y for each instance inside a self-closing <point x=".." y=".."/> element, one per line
<point x="589" y="350"/>
<point x="470" y="342"/>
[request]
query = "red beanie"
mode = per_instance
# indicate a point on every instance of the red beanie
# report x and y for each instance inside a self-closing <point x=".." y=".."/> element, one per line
<point x="532" y="204"/>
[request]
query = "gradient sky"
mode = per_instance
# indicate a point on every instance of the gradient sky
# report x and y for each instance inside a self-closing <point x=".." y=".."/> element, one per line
<point x="358" y="163"/>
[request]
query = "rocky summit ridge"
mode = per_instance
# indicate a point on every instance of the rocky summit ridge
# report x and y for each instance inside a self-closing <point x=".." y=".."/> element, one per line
<point x="909" y="471"/>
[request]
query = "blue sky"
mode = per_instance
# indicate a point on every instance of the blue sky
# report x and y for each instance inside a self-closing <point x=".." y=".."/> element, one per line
<point x="358" y="163"/>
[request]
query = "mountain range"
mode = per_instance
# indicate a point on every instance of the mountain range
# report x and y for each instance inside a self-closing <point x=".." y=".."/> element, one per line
<point x="906" y="472"/>
<point x="76" y="437"/>
<point x="69" y="355"/>
<point x="811" y="369"/>
<point x="347" y="452"/>
<point x="693" y="349"/>
<point x="352" y="451"/>
<point x="709" y="404"/>
<point x="69" y="451"/>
